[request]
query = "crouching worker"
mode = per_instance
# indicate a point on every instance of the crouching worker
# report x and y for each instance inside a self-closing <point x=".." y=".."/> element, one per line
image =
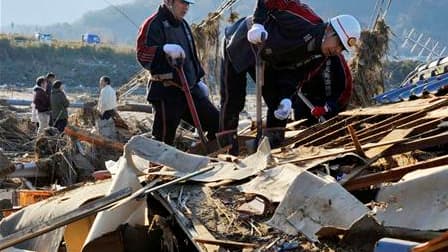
<point x="163" y="38"/>
<point x="297" y="47"/>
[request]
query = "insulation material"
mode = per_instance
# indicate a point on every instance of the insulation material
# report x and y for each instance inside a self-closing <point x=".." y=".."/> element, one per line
<point x="223" y="170"/>
<point x="316" y="206"/>
<point x="48" y="209"/>
<point x="419" y="201"/>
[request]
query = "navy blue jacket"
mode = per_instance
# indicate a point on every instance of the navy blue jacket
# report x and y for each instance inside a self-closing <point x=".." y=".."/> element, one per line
<point x="154" y="33"/>
<point x="295" y="35"/>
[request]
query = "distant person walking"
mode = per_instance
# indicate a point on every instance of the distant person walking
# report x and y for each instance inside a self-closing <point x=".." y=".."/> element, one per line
<point x="41" y="101"/>
<point x="59" y="105"/>
<point x="107" y="102"/>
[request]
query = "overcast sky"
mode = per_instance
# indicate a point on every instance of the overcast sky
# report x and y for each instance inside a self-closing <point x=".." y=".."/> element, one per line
<point x="45" y="12"/>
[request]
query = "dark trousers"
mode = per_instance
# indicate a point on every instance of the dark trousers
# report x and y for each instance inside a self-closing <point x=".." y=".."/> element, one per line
<point x="107" y="114"/>
<point x="61" y="124"/>
<point x="168" y="114"/>
<point x="278" y="84"/>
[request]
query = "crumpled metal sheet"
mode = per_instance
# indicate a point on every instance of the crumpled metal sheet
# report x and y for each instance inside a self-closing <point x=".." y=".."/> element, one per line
<point x="132" y="213"/>
<point x="316" y="206"/>
<point x="418" y="201"/>
<point x="160" y="153"/>
<point x="224" y="170"/>
<point x="49" y="209"/>
<point x="273" y="183"/>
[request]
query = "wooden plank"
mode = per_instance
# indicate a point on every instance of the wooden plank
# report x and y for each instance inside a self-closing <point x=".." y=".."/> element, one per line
<point x="397" y="122"/>
<point x="396" y="134"/>
<point x="436" y="244"/>
<point x="346" y="139"/>
<point x="320" y="130"/>
<point x="202" y="232"/>
<point x="393" y="174"/>
<point x="356" y="143"/>
<point x="83" y="135"/>
<point x="336" y="153"/>
<point x="226" y="243"/>
<point x="427" y="142"/>
<point x="72" y="216"/>
<point x="376" y="153"/>
<point x="425" y="127"/>
<point x="438" y="113"/>
<point x="402" y="107"/>
<point x="312" y="130"/>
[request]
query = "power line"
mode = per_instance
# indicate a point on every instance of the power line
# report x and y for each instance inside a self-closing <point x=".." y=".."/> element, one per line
<point x="122" y="13"/>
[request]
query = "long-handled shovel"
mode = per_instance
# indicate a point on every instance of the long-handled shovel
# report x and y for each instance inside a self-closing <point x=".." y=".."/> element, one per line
<point x="259" y="76"/>
<point x="177" y="64"/>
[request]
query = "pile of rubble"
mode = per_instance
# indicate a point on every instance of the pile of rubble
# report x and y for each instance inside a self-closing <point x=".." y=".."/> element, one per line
<point x="341" y="185"/>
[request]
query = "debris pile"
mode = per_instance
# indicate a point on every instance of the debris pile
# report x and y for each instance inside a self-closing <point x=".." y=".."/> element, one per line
<point x="341" y="185"/>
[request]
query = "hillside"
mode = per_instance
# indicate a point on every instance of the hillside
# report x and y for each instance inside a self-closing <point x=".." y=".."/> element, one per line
<point x="423" y="15"/>
<point x="78" y="66"/>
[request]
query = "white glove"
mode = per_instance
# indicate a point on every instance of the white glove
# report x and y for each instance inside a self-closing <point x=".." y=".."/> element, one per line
<point x="284" y="109"/>
<point x="174" y="51"/>
<point x="255" y="33"/>
<point x="204" y="88"/>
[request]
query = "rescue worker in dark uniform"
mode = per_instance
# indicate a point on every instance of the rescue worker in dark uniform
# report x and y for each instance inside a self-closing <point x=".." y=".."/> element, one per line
<point x="298" y="44"/>
<point x="165" y="35"/>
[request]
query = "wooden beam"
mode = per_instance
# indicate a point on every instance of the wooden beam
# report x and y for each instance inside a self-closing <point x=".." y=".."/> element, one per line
<point x="436" y="244"/>
<point x="70" y="217"/>
<point x="360" y="133"/>
<point x="226" y="243"/>
<point x="83" y="135"/>
<point x="332" y="143"/>
<point x="355" y="140"/>
<point x="135" y="107"/>
<point x="393" y="174"/>
<point x="427" y="142"/>
<point x="394" y="135"/>
<point x="319" y="130"/>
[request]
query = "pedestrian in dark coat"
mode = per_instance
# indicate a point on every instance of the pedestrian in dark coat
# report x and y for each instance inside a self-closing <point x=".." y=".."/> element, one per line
<point x="59" y="105"/>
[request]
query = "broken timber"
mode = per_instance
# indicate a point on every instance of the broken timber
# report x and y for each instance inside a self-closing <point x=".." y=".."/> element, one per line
<point x="83" y="135"/>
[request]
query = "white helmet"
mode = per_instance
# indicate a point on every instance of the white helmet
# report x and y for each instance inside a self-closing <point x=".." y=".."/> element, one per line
<point x="187" y="1"/>
<point x="348" y="29"/>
